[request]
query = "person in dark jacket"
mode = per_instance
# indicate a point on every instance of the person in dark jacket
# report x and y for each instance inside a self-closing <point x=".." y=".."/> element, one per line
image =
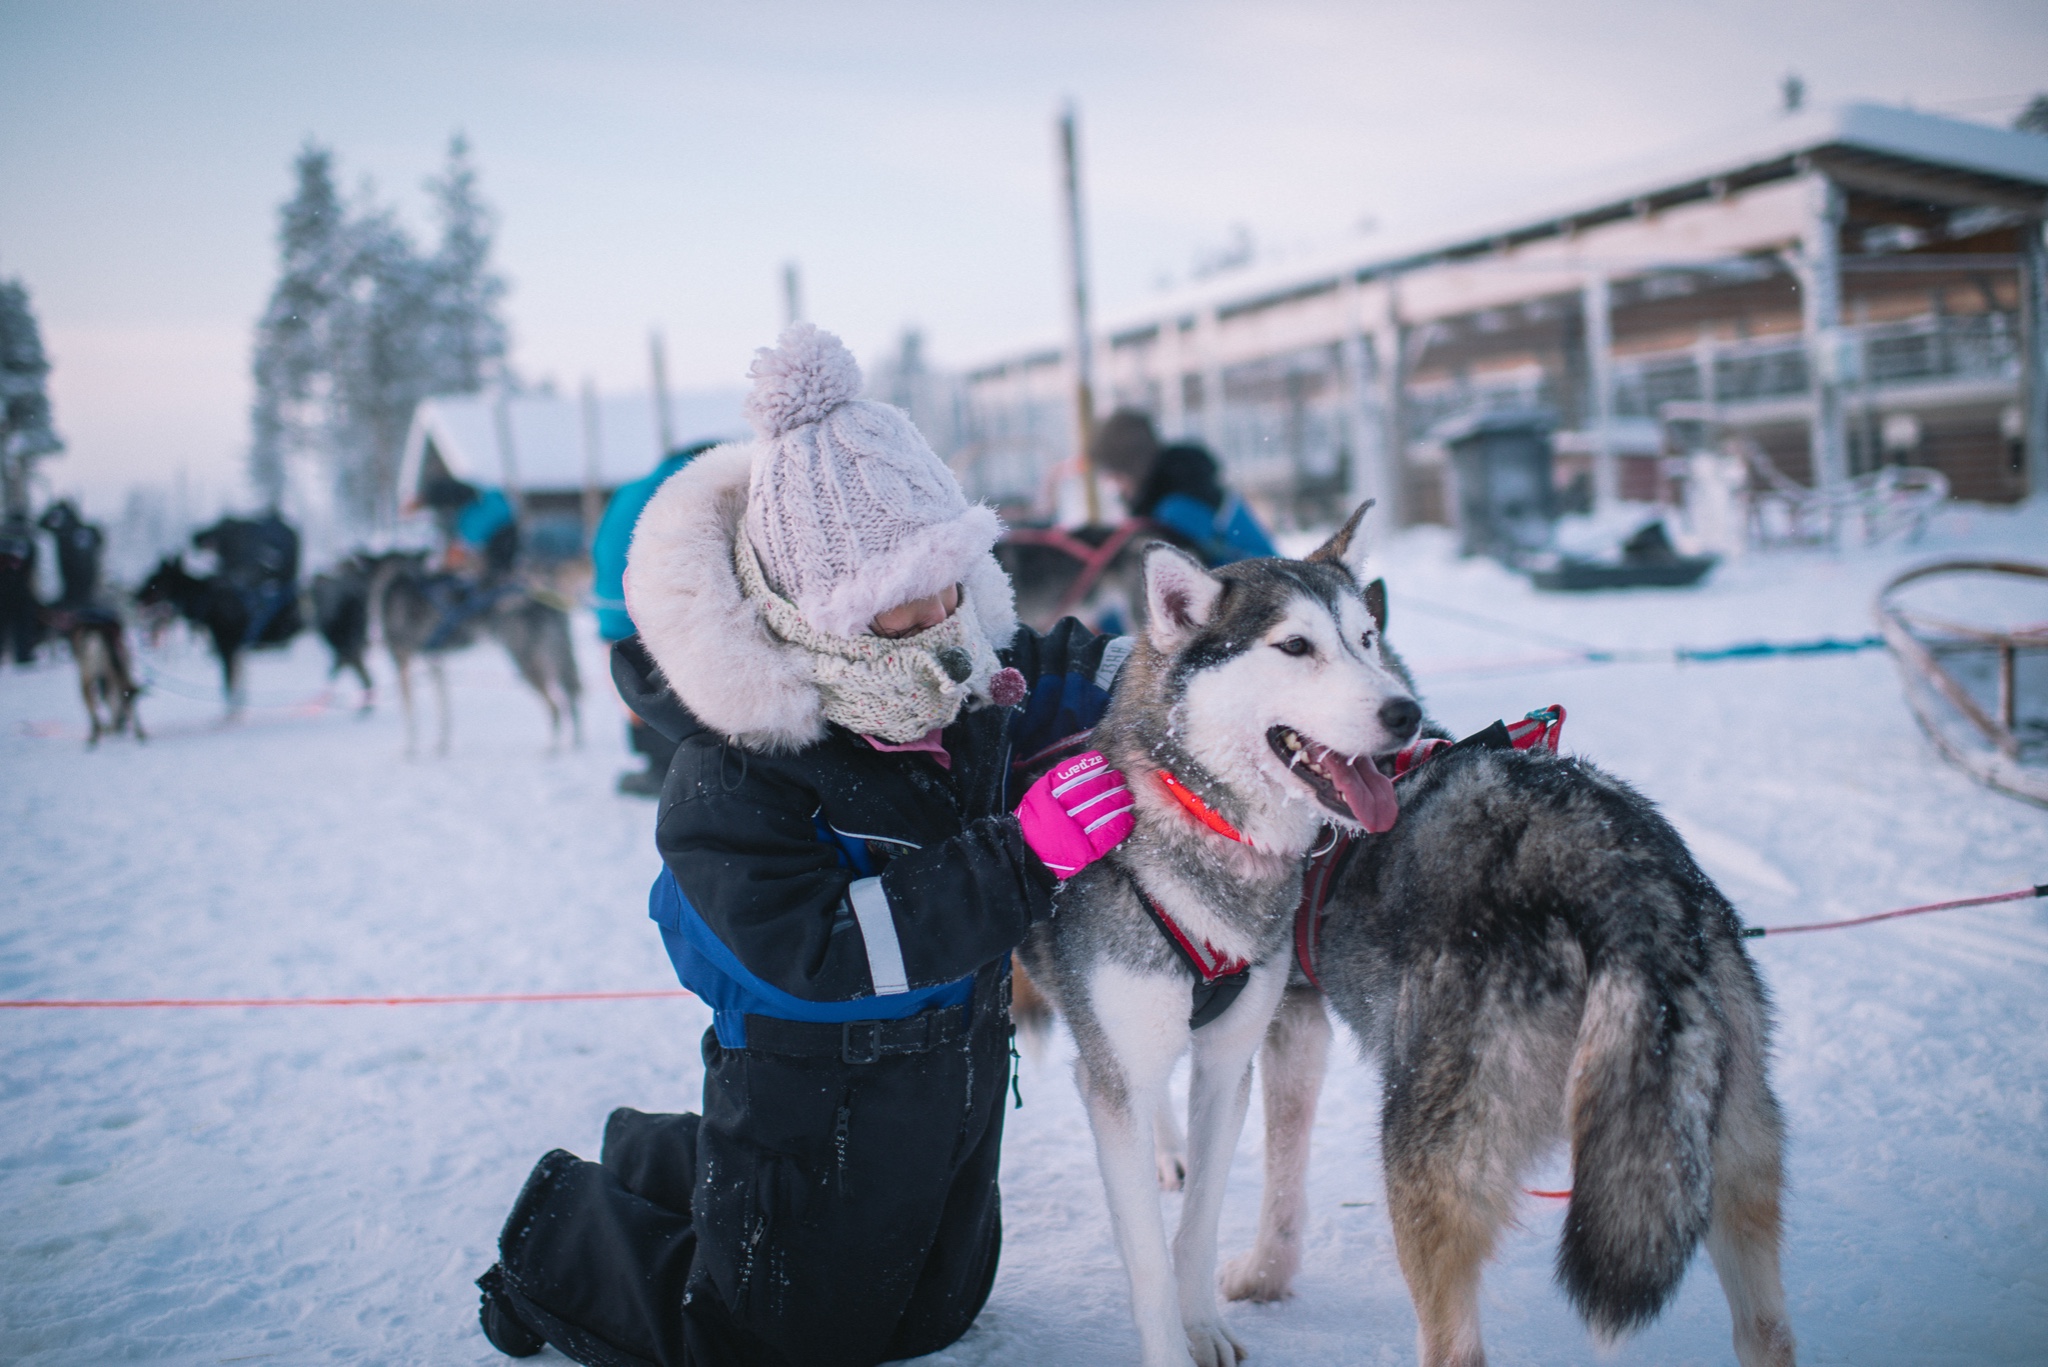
<point x="21" y="622"/>
<point x="259" y="559"/>
<point x="826" y="638"/>
<point x="79" y="547"/>
<point x="608" y="596"/>
<point x="1179" y="487"/>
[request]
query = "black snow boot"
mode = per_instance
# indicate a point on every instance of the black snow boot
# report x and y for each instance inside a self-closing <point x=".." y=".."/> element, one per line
<point x="502" y="1325"/>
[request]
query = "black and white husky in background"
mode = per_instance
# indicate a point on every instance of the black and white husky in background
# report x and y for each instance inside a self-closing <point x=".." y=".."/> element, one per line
<point x="1247" y="722"/>
<point x="1533" y="955"/>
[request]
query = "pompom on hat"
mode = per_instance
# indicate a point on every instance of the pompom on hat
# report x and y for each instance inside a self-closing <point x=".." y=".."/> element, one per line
<point x="848" y="509"/>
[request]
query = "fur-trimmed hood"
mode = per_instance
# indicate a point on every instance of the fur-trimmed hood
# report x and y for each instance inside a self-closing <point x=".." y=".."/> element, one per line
<point x="709" y="640"/>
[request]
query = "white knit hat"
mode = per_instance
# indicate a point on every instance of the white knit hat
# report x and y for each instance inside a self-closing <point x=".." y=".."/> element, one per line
<point x="848" y="509"/>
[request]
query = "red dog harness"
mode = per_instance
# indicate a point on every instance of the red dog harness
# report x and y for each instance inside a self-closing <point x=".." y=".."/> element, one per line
<point x="1542" y="727"/>
<point x="1219" y="977"/>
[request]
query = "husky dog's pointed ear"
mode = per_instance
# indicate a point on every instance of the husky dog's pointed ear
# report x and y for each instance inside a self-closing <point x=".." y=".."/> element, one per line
<point x="1376" y="603"/>
<point x="1344" y="550"/>
<point x="1180" y="595"/>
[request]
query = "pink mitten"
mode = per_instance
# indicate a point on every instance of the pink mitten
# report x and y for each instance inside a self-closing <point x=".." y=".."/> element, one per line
<point x="1077" y="813"/>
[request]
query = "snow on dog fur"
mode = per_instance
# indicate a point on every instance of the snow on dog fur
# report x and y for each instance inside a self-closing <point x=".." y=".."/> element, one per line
<point x="1262" y="691"/>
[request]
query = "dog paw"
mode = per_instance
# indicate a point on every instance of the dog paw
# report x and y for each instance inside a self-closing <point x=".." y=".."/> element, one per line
<point x="1211" y="1345"/>
<point x="1255" y="1276"/>
<point x="1173" y="1171"/>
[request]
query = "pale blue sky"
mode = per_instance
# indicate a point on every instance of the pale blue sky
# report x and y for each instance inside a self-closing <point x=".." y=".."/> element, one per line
<point x="656" y="163"/>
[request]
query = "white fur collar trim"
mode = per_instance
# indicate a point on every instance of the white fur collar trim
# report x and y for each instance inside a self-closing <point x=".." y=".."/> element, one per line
<point x="709" y="641"/>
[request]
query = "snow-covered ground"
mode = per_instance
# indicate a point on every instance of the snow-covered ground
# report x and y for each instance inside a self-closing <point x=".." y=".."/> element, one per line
<point x="291" y="1185"/>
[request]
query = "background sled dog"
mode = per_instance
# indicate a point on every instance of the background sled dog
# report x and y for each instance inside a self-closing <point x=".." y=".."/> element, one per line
<point x="1532" y="953"/>
<point x="1258" y="692"/>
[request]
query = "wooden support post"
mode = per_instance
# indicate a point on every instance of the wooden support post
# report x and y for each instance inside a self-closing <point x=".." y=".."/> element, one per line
<point x="1173" y="415"/>
<point x="1084" y="346"/>
<point x="2008" y="686"/>
<point x="1820" y="295"/>
<point x="1390" y="375"/>
<point x="1367" y="356"/>
<point x="1598" y="306"/>
<point x="2034" y="360"/>
<point x="1209" y="345"/>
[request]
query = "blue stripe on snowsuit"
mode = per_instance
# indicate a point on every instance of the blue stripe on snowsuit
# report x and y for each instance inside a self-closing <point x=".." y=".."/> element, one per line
<point x="733" y="991"/>
<point x="1060" y="705"/>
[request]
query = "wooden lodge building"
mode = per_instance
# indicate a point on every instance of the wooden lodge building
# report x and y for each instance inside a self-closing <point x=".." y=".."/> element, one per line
<point x="1845" y="288"/>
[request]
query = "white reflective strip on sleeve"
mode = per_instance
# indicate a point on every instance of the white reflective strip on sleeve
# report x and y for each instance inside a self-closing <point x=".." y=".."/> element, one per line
<point x="878" y="929"/>
<point x="1113" y="656"/>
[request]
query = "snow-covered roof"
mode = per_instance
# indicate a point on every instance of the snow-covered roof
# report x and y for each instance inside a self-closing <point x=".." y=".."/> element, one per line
<point x="548" y="452"/>
<point x="1900" y="135"/>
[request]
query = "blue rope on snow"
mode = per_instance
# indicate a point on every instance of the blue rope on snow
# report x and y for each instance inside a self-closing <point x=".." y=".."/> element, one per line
<point x="1828" y="645"/>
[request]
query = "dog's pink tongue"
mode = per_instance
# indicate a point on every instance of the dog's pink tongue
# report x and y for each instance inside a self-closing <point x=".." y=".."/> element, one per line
<point x="1365" y="790"/>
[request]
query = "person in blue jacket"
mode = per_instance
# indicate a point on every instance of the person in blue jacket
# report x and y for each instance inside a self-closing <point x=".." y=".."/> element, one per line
<point x="480" y="533"/>
<point x="1180" y="487"/>
<point x="825" y="636"/>
<point x="608" y="596"/>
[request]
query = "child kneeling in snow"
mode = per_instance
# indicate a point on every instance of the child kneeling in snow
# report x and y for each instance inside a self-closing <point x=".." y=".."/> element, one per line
<point x="823" y="631"/>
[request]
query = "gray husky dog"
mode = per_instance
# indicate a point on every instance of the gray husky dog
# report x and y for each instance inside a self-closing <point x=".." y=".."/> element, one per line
<point x="1247" y="722"/>
<point x="534" y="632"/>
<point x="1533" y="955"/>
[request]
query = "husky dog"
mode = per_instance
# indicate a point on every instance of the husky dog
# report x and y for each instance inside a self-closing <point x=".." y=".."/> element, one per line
<point x="1246" y="721"/>
<point x="412" y="602"/>
<point x="1532" y="954"/>
<point x="100" y="649"/>
<point x="341" y="610"/>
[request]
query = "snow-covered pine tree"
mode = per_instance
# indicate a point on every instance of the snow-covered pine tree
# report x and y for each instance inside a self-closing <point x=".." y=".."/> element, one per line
<point x="294" y="339"/>
<point x="26" y="432"/>
<point x="362" y="326"/>
<point x="470" y="336"/>
<point x="383" y="363"/>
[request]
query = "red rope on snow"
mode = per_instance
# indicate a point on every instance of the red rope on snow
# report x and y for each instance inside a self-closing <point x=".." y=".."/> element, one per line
<point x="466" y="999"/>
<point x="2017" y="895"/>
<point x="479" y="998"/>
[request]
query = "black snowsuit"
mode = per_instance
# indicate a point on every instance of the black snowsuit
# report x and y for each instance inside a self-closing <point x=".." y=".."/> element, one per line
<point x="836" y="1203"/>
<point x="21" y="625"/>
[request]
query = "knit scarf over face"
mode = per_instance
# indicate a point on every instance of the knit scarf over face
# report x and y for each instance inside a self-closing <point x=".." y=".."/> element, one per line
<point x="896" y="690"/>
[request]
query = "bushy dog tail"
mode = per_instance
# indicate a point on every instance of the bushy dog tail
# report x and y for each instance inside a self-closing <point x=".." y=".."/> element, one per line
<point x="1645" y="1080"/>
<point x="1030" y="1009"/>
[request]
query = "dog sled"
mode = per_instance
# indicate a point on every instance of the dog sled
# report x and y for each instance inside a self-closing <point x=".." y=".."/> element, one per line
<point x="1086" y="572"/>
<point x="1977" y="683"/>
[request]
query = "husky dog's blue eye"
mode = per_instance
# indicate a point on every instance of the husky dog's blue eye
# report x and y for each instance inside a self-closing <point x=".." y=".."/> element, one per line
<point x="1366" y="640"/>
<point x="1294" y="645"/>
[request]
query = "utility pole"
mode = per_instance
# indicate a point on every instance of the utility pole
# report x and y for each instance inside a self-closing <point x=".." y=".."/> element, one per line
<point x="792" y="294"/>
<point x="593" y="462"/>
<point x="664" y="425"/>
<point x="508" y="452"/>
<point x="1084" y="349"/>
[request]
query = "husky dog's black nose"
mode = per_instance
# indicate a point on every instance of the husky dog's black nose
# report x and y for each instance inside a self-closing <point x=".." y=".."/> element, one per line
<point x="1400" y="715"/>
